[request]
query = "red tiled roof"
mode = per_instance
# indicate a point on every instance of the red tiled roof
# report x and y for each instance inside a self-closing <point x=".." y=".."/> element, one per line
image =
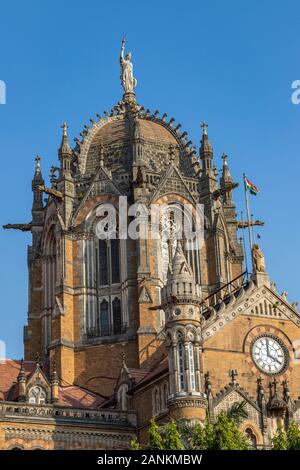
<point x="78" y="397"/>
<point x="161" y="368"/>
<point x="9" y="371"/>
<point x="138" y="374"/>
<point x="71" y="395"/>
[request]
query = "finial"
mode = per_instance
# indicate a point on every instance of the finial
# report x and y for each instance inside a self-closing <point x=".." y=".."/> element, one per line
<point x="259" y="383"/>
<point x="37" y="164"/>
<point x="64" y="126"/>
<point x="274" y="384"/>
<point x="233" y="374"/>
<point x="22" y="376"/>
<point x="204" y="127"/>
<point x="224" y="158"/>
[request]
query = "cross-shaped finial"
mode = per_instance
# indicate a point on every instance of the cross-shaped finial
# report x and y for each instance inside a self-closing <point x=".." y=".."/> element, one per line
<point x="233" y="374"/>
<point x="274" y="383"/>
<point x="224" y="158"/>
<point x="37" y="162"/>
<point x="64" y="126"/>
<point x="204" y="127"/>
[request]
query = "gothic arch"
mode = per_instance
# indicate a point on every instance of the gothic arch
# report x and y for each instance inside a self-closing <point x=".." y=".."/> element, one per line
<point x="104" y="271"/>
<point x="248" y="424"/>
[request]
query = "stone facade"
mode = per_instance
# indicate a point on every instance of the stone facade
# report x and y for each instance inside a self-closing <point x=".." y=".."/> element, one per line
<point x="141" y="327"/>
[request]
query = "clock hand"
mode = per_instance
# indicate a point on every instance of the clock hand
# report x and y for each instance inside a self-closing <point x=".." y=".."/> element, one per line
<point x="275" y="359"/>
<point x="268" y="350"/>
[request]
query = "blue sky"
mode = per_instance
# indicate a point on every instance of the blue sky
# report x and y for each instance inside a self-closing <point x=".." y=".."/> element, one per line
<point x="228" y="63"/>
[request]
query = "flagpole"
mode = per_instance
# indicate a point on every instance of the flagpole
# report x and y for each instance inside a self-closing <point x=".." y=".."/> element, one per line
<point x="248" y="216"/>
<point x="244" y="245"/>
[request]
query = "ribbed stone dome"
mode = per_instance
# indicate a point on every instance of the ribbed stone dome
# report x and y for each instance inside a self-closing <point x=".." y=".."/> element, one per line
<point x="115" y="140"/>
<point x="120" y="130"/>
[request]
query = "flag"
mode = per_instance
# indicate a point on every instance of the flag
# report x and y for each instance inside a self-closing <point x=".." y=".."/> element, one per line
<point x="251" y="187"/>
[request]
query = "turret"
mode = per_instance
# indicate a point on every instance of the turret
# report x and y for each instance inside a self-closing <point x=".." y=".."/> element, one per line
<point x="206" y="152"/>
<point x="65" y="182"/>
<point x="226" y="181"/>
<point x="65" y="153"/>
<point x="227" y="184"/>
<point x="37" y="205"/>
<point x="181" y="299"/>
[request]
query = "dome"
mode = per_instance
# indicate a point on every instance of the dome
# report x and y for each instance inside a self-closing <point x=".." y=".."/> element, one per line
<point x="115" y="138"/>
<point x="120" y="130"/>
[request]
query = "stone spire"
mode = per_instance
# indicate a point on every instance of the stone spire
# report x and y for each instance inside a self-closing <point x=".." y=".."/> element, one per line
<point x="65" y="152"/>
<point x="180" y="281"/>
<point x="226" y="179"/>
<point x="36" y="182"/>
<point x="206" y="152"/>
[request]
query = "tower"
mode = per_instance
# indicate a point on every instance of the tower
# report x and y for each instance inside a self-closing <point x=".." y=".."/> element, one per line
<point x="181" y="298"/>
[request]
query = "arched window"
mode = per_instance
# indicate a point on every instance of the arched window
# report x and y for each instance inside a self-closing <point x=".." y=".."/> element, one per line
<point x="115" y="260"/>
<point x="105" y="267"/>
<point x="180" y="360"/>
<point x="104" y="318"/>
<point x="156" y="402"/>
<point x="117" y="317"/>
<point x="123" y="398"/>
<point x="103" y="264"/>
<point x="164" y="395"/>
<point x="251" y="438"/>
<point x="37" y="395"/>
<point x="109" y="262"/>
<point x="192" y="366"/>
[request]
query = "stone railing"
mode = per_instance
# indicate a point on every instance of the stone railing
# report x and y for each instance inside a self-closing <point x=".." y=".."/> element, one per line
<point x="20" y="411"/>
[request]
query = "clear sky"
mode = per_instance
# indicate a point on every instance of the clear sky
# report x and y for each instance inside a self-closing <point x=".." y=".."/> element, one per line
<point x="229" y="63"/>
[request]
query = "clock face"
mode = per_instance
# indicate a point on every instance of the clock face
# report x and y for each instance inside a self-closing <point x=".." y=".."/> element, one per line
<point x="269" y="354"/>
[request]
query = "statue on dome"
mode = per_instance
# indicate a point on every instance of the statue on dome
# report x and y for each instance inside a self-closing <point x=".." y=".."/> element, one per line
<point x="127" y="79"/>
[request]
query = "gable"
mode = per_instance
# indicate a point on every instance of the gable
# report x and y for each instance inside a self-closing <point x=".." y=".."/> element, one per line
<point x="100" y="185"/>
<point x="263" y="303"/>
<point x="234" y="396"/>
<point x="173" y="182"/>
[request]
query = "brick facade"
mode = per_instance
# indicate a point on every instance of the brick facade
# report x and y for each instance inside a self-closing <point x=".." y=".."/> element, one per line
<point x="137" y="154"/>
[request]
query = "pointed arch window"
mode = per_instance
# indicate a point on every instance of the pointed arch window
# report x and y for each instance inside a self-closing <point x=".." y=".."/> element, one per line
<point x="117" y="317"/>
<point x="180" y="359"/>
<point x="192" y="366"/>
<point x="37" y="395"/>
<point x="104" y="318"/>
<point x="115" y="260"/>
<point x="103" y="263"/>
<point x="109" y="262"/>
